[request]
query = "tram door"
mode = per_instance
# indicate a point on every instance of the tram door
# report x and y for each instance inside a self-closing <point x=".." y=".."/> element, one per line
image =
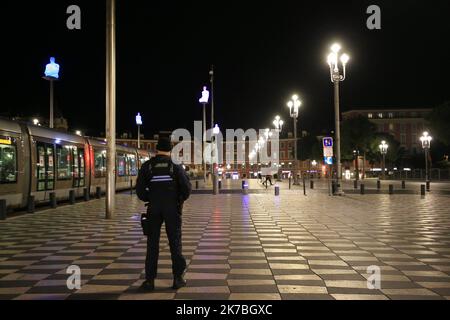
<point x="78" y="167"/>
<point x="45" y="167"/>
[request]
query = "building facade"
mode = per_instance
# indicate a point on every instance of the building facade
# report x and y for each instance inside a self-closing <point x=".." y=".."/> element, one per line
<point x="406" y="125"/>
<point x="245" y="168"/>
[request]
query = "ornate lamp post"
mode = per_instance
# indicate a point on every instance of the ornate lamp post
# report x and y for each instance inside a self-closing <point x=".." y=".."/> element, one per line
<point x="214" y="154"/>
<point x="278" y="123"/>
<point x="337" y="75"/>
<point x="293" y="106"/>
<point x="426" y="144"/>
<point x="383" y="149"/>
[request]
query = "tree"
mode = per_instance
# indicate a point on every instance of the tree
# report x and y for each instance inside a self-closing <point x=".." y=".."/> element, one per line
<point x="356" y="134"/>
<point x="395" y="152"/>
<point x="309" y="148"/>
<point x="439" y="119"/>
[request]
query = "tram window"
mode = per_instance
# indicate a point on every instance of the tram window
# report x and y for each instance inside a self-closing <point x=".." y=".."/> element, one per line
<point x="81" y="163"/>
<point x="121" y="165"/>
<point x="45" y="167"/>
<point x="50" y="168"/>
<point x="78" y="167"/>
<point x="75" y="163"/>
<point x="8" y="163"/>
<point x="133" y="164"/>
<point x="100" y="163"/>
<point x="40" y="167"/>
<point x="64" y="162"/>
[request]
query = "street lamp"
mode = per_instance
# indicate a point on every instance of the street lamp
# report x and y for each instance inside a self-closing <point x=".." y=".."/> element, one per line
<point x="293" y="106"/>
<point x="426" y="144"/>
<point x="337" y="75"/>
<point x="36" y="122"/>
<point x="51" y="74"/>
<point x="215" y="131"/>
<point x="78" y="133"/>
<point x="204" y="100"/>
<point x="139" y="124"/>
<point x="356" y="158"/>
<point x="383" y="149"/>
<point x="278" y="123"/>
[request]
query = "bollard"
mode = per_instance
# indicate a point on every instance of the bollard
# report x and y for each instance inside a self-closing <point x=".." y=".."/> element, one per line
<point x="72" y="196"/>
<point x="311" y="184"/>
<point x="53" y="203"/>
<point x="131" y="187"/>
<point x="220" y="184"/>
<point x="355" y="184"/>
<point x="428" y="186"/>
<point x="362" y="188"/>
<point x="215" y="182"/>
<point x="30" y="206"/>
<point x="403" y="184"/>
<point x="2" y="209"/>
<point x="333" y="187"/>
<point x="86" y="194"/>
<point x="378" y="185"/>
<point x="290" y="182"/>
<point x="196" y="184"/>
<point x="277" y="190"/>
<point x="391" y="189"/>
<point x="422" y="190"/>
<point x="98" y="192"/>
<point x="244" y="187"/>
<point x="304" y="186"/>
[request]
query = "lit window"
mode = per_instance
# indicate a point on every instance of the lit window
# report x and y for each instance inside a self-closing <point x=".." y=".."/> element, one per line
<point x="121" y="165"/>
<point x="64" y="163"/>
<point x="133" y="164"/>
<point x="391" y="115"/>
<point x="370" y="115"/>
<point x="100" y="163"/>
<point x="380" y="115"/>
<point x="8" y="163"/>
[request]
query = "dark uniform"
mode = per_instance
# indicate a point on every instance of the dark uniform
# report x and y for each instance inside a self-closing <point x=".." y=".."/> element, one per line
<point x="165" y="186"/>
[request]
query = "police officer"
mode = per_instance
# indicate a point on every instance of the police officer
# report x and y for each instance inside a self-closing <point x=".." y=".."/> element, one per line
<point x="165" y="186"/>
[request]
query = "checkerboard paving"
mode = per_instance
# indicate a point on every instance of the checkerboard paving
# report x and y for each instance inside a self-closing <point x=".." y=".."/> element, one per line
<point x="254" y="246"/>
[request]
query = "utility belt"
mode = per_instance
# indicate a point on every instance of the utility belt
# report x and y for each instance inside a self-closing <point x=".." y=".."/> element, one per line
<point x="145" y="221"/>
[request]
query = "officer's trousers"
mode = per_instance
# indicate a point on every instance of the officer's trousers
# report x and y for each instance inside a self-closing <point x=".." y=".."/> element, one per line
<point x="172" y="219"/>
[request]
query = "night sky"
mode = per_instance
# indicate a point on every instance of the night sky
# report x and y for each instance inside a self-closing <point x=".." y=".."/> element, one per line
<point x="263" y="52"/>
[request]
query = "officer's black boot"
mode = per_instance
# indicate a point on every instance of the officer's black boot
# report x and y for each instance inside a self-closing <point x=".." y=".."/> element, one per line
<point x="148" y="285"/>
<point x="178" y="282"/>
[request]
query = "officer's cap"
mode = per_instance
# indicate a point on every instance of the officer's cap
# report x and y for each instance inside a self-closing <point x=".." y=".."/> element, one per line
<point x="164" y="144"/>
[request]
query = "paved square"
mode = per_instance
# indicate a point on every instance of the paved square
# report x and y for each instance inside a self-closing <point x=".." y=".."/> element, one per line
<point x="254" y="246"/>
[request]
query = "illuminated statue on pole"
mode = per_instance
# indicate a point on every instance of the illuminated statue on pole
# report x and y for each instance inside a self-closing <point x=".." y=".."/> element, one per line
<point x="52" y="69"/>
<point x="205" y="96"/>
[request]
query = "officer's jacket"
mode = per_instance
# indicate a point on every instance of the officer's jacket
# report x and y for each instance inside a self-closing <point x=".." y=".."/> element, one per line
<point x="161" y="182"/>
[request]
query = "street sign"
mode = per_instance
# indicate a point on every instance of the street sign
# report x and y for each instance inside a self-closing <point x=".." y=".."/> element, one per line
<point x="328" y="160"/>
<point x="327" y="142"/>
<point x="328" y="147"/>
